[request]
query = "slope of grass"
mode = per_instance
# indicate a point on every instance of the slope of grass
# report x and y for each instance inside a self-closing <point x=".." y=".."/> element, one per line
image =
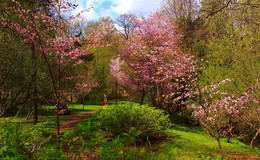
<point x="185" y="141"/>
<point x="191" y="142"/>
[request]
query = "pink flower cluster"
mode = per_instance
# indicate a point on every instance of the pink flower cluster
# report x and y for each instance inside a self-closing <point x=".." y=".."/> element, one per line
<point x="46" y="35"/>
<point x="115" y="71"/>
<point x="218" y="110"/>
<point x="154" y="58"/>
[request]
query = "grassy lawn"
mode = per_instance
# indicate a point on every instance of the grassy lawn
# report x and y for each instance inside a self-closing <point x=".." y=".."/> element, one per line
<point x="78" y="108"/>
<point x="191" y="142"/>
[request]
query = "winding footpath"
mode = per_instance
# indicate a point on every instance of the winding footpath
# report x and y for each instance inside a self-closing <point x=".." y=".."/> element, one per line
<point x="73" y="120"/>
<point x="76" y="118"/>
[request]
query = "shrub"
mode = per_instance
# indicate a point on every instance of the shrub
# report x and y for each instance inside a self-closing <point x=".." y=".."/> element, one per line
<point x="26" y="141"/>
<point x="121" y="118"/>
<point x="113" y="130"/>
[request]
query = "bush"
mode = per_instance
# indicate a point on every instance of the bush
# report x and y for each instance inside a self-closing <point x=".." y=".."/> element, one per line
<point x="26" y="141"/>
<point x="113" y="130"/>
<point x="122" y="118"/>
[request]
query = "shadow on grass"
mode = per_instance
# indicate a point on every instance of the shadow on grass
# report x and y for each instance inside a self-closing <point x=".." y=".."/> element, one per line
<point x="183" y="124"/>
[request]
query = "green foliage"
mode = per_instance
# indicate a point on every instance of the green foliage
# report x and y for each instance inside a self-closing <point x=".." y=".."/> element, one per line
<point x="88" y="57"/>
<point x="97" y="97"/>
<point x="124" y="118"/>
<point x="77" y="108"/>
<point x="131" y="136"/>
<point x="15" y="72"/>
<point x="101" y="143"/>
<point x="114" y="96"/>
<point x="116" y="149"/>
<point x="25" y="141"/>
<point x="185" y="142"/>
<point x="50" y="152"/>
<point x="227" y="41"/>
<point x="122" y="126"/>
<point x="72" y="143"/>
<point x="191" y="142"/>
<point x="203" y="157"/>
<point x="111" y="150"/>
<point x="86" y="127"/>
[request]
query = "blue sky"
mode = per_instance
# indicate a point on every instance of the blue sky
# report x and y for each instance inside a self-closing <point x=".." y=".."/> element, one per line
<point x="114" y="8"/>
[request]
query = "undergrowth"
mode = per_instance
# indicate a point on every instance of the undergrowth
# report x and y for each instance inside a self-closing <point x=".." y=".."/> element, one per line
<point x="183" y="141"/>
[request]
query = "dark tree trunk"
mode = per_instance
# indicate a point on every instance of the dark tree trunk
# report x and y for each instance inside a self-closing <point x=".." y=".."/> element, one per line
<point x="83" y="102"/>
<point x="116" y="91"/>
<point x="219" y="146"/>
<point x="142" y="98"/>
<point x="34" y="84"/>
<point x="254" y="138"/>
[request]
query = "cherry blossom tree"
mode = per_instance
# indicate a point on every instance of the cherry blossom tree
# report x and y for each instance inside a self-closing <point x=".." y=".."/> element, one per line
<point x="27" y="23"/>
<point x="115" y="70"/>
<point x="251" y="117"/>
<point x="218" y="112"/>
<point x="44" y="33"/>
<point x="156" y="67"/>
<point x="118" y="76"/>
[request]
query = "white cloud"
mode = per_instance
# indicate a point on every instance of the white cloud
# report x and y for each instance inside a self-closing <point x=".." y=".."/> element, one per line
<point x="91" y="15"/>
<point x="117" y="7"/>
<point x="94" y="3"/>
<point x="143" y="7"/>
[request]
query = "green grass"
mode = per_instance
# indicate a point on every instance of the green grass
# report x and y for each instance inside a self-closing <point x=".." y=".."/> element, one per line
<point x="119" y="102"/>
<point x="46" y="114"/>
<point x="191" y="142"/>
<point x="78" y="108"/>
<point x="185" y="141"/>
<point x="18" y="136"/>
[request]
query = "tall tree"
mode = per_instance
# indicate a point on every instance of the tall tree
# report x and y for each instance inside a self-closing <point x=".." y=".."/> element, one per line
<point x="231" y="50"/>
<point x="184" y="13"/>
<point x="219" y="113"/>
<point x="125" y="25"/>
<point x="155" y="66"/>
<point x="43" y="33"/>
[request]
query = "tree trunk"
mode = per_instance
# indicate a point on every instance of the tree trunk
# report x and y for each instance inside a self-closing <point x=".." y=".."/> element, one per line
<point x="219" y="146"/>
<point x="158" y="96"/>
<point x="58" y="123"/>
<point x="256" y="135"/>
<point x="35" y="106"/>
<point x="142" y="98"/>
<point x="116" y="91"/>
<point x="34" y="84"/>
<point x="83" y="102"/>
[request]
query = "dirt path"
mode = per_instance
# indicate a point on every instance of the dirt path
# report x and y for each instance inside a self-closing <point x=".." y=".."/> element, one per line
<point x="76" y="118"/>
<point x="73" y="120"/>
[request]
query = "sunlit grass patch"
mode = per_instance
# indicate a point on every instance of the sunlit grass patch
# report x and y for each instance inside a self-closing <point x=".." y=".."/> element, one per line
<point x="79" y="108"/>
<point x="191" y="142"/>
<point x="184" y="141"/>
